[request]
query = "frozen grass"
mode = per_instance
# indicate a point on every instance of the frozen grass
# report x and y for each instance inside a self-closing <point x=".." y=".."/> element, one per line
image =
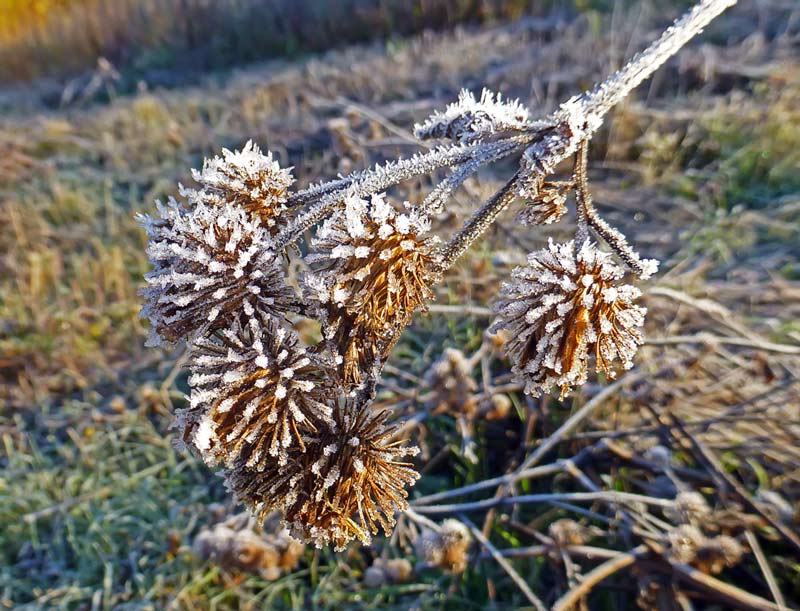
<point x="99" y="510"/>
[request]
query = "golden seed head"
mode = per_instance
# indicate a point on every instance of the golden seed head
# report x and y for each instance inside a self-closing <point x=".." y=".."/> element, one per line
<point x="454" y="388"/>
<point x="559" y="306"/>
<point x="245" y="178"/>
<point x="350" y="480"/>
<point x="255" y="391"/>
<point x="374" y="267"/>
<point x="683" y="543"/>
<point x="690" y="508"/>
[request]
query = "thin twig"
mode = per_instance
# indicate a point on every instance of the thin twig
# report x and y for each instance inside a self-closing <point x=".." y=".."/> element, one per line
<point x="763" y="564"/>
<point x="709" y="339"/>
<point x="505" y="564"/>
<point x="596" y="575"/>
<point x="608" y="496"/>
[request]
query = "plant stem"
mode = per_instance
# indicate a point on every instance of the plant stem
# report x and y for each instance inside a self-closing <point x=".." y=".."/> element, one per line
<point x="578" y="118"/>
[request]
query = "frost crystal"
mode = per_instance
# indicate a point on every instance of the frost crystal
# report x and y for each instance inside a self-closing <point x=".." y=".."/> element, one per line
<point x="373" y="269"/>
<point x="246" y="178"/>
<point x="561" y="305"/>
<point x="546" y="202"/>
<point x="335" y="490"/>
<point x="469" y="119"/>
<point x="254" y="392"/>
<point x="208" y="264"/>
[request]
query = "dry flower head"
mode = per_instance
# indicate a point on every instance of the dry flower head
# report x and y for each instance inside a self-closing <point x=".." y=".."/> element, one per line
<point x="560" y="306"/>
<point x="240" y="545"/>
<point x="447" y="548"/>
<point x="246" y="178"/>
<point x="209" y="264"/>
<point x="349" y="480"/>
<point x="470" y="119"/>
<point x="255" y="391"/>
<point x="375" y="268"/>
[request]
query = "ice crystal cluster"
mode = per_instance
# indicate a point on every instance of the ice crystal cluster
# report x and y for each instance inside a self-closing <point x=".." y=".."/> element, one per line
<point x="290" y="422"/>
<point x="471" y="119"/>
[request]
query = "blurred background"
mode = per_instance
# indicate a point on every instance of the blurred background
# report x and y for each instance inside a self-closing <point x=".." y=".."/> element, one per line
<point x="105" y="105"/>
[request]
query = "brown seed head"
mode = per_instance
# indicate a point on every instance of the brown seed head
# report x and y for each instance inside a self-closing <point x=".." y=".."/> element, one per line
<point x="209" y="263"/>
<point x="452" y="384"/>
<point x="350" y="480"/>
<point x="561" y="305"/>
<point x="245" y="178"/>
<point x="546" y="201"/>
<point x="255" y="391"/>
<point x="446" y="549"/>
<point x="374" y="268"/>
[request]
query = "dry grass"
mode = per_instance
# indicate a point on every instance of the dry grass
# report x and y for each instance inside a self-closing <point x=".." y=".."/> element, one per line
<point x="101" y="511"/>
<point x="58" y="38"/>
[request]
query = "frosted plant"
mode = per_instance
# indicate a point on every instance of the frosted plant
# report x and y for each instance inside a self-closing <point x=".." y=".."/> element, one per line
<point x="255" y="391"/>
<point x="248" y="178"/>
<point x="469" y="119"/>
<point x="344" y="483"/>
<point x="209" y="263"/>
<point x="446" y="548"/>
<point x="292" y="424"/>
<point x="375" y="268"/>
<point x="562" y="305"/>
<point x="547" y="204"/>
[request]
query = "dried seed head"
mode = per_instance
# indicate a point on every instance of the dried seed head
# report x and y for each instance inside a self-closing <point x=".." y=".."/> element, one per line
<point x="717" y="553"/>
<point x="238" y="544"/>
<point x="566" y="532"/>
<point x="374" y="268"/>
<point x="690" y="508"/>
<point x="545" y="204"/>
<point x="558" y="307"/>
<point x="393" y="571"/>
<point x="255" y="391"/>
<point x="350" y="480"/>
<point x="209" y="263"/>
<point x="452" y="383"/>
<point x="683" y="543"/>
<point x="245" y="178"/>
<point x="469" y="119"/>
<point x="446" y="549"/>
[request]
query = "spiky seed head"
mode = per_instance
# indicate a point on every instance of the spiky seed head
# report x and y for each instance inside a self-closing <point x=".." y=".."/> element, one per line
<point x="374" y="267"/>
<point x="350" y="479"/>
<point x="690" y="507"/>
<point x="470" y="119"/>
<point x="545" y="203"/>
<point x="446" y="548"/>
<point x="683" y="543"/>
<point x="245" y="178"/>
<point x="717" y="553"/>
<point x="255" y="391"/>
<point x="239" y="545"/>
<point x="454" y="388"/>
<point x="209" y="263"/>
<point x="559" y="306"/>
<point x="565" y="532"/>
